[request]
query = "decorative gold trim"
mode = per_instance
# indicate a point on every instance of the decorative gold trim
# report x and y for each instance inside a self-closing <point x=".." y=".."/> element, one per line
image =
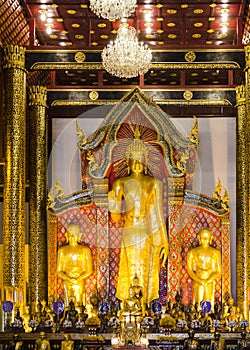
<point x="247" y="55"/>
<point x="188" y="95"/>
<point x="14" y="57"/>
<point x="176" y="50"/>
<point x="145" y="90"/>
<point x="66" y="66"/>
<point x="190" y="56"/>
<point x="93" y="95"/>
<point x="159" y="102"/>
<point x="159" y="65"/>
<point x="240" y="95"/>
<point x="38" y="96"/>
<point x="80" y="57"/>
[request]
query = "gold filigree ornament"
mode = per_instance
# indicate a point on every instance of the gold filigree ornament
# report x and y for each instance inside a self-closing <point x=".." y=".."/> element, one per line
<point x="221" y="195"/>
<point x="190" y="56"/>
<point x="55" y="193"/>
<point x="193" y="136"/>
<point x="182" y="162"/>
<point x="91" y="160"/>
<point x="188" y="95"/>
<point x="80" y="57"/>
<point x="93" y="95"/>
<point x="82" y="137"/>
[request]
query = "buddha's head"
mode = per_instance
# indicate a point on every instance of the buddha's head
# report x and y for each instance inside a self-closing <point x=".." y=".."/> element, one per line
<point x="73" y="234"/>
<point x="137" y="153"/>
<point x="205" y="237"/>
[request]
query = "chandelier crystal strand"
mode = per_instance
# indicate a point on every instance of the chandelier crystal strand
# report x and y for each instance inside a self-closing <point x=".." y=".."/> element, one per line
<point x="126" y="57"/>
<point x="113" y="9"/>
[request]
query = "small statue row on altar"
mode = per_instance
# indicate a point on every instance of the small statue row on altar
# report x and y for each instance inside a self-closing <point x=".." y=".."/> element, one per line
<point x="153" y="318"/>
<point x="42" y="343"/>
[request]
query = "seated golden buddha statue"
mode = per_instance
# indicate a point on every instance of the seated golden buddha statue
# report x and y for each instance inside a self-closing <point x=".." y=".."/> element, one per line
<point x="74" y="265"/>
<point x="131" y="306"/>
<point x="137" y="200"/>
<point x="204" y="267"/>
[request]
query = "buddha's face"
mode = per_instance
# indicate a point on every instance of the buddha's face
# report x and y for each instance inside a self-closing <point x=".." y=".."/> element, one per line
<point x="136" y="281"/>
<point x="73" y="234"/>
<point x="205" y="238"/>
<point x="136" y="166"/>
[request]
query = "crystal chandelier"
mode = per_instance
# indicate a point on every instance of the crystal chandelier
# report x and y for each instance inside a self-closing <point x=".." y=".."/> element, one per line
<point x="113" y="9"/>
<point x="126" y="57"/>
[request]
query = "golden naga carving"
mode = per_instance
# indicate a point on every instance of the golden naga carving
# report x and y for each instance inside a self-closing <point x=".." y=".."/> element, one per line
<point x="56" y="192"/>
<point x="182" y="162"/>
<point x="91" y="160"/>
<point x="221" y="195"/>
<point x="137" y="198"/>
<point x="82" y="137"/>
<point x="193" y="136"/>
<point x="204" y="267"/>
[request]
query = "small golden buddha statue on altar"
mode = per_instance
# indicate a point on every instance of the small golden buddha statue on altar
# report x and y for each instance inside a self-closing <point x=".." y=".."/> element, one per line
<point x="204" y="267"/>
<point x="42" y="343"/>
<point x="67" y="343"/>
<point x="131" y="306"/>
<point x="74" y="265"/>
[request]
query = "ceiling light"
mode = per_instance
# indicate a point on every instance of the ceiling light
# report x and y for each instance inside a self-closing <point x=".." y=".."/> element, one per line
<point x="49" y="30"/>
<point x="126" y="57"/>
<point x="113" y="9"/>
<point x="43" y="14"/>
<point x="224" y="17"/>
<point x="224" y="29"/>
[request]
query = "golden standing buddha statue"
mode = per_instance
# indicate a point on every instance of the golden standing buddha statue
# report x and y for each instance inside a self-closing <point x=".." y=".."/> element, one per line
<point x="42" y="343"/>
<point x="74" y="265"/>
<point x="204" y="267"/>
<point x="144" y="237"/>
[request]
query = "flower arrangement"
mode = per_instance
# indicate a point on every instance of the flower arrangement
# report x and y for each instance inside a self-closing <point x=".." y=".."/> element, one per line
<point x="114" y="322"/>
<point x="181" y="324"/>
<point x="79" y="324"/>
<point x="195" y="324"/>
<point x="33" y="323"/>
<point x="244" y="324"/>
<point x="67" y="324"/>
<point x="49" y="323"/>
<point x="231" y="324"/>
<point x="216" y="324"/>
<point x="17" y="323"/>
<point x="147" y="321"/>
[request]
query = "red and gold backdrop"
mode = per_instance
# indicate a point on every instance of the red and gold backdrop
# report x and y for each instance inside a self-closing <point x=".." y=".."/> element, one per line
<point x="171" y="159"/>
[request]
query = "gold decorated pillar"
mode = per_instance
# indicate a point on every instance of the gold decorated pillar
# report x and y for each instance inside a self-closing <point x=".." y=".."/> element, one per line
<point x="242" y="204"/>
<point x="14" y="174"/>
<point x="38" y="194"/>
<point x="247" y="159"/>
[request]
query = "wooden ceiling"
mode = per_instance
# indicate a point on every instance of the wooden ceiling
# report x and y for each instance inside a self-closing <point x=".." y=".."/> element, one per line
<point x="161" y="24"/>
<point x="164" y="25"/>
